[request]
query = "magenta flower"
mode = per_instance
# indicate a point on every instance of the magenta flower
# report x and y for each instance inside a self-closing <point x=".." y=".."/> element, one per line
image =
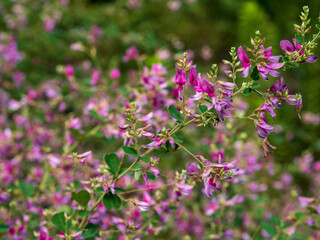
<point x="266" y="55"/>
<point x="264" y="129"/>
<point x="83" y="157"/>
<point x="143" y="206"/>
<point x="182" y="189"/>
<point x="69" y="70"/>
<point x="181" y="79"/>
<point x="95" y="77"/>
<point x="193" y="76"/>
<point x="289" y="49"/>
<point x="305" y="201"/>
<point x="192" y="169"/>
<point x="203" y="87"/>
<point x="245" y="61"/>
<point x="209" y="184"/>
<point x="115" y="73"/>
<point x="131" y="53"/>
<point x="156" y="143"/>
<point x="44" y="235"/>
<point x="269" y="68"/>
<point x="111" y="186"/>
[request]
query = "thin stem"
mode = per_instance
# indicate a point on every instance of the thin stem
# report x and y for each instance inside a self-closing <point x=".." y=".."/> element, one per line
<point x="183" y="104"/>
<point x="121" y="161"/>
<point x="133" y="164"/>
<point x="237" y="91"/>
<point x="142" y="190"/>
<point x="175" y="129"/>
<point x="180" y="145"/>
<point x="92" y="209"/>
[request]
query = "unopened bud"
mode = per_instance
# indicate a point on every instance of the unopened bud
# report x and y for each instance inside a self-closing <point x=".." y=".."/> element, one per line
<point x="226" y="62"/>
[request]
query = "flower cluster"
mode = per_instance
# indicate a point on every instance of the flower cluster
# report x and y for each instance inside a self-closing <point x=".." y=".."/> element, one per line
<point x="85" y="155"/>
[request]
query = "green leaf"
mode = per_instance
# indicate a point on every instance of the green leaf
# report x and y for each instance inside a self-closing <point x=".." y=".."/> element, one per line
<point x="299" y="38"/>
<point x="151" y="176"/>
<point x="174" y="113"/>
<point x="84" y="213"/>
<point x="203" y="108"/>
<point x="94" y="114"/>
<point x="145" y="159"/>
<point x="298" y="215"/>
<point x="130" y="151"/>
<point x="99" y="190"/>
<point x="73" y="196"/>
<point x="255" y="74"/>
<point x="318" y="26"/>
<point x="4" y="228"/>
<point x="91" y="232"/>
<point x="269" y="229"/>
<point x="113" y="162"/>
<point x="275" y="220"/>
<point x="293" y="65"/>
<point x="255" y="85"/>
<point x="247" y="91"/>
<point x="284" y="60"/>
<point x="168" y="146"/>
<point x="119" y="189"/>
<point x="179" y="122"/>
<point x="138" y="166"/>
<point x="82" y="197"/>
<point x="111" y="201"/>
<point x="27" y="188"/>
<point x="176" y="139"/>
<point x="59" y="221"/>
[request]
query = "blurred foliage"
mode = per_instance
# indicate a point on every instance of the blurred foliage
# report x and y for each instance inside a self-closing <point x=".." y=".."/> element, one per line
<point x="217" y="24"/>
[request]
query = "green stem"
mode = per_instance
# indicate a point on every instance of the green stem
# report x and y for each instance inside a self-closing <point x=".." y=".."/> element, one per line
<point x="133" y="164"/>
<point x="91" y="211"/>
<point x="180" y="145"/>
<point x="176" y="128"/>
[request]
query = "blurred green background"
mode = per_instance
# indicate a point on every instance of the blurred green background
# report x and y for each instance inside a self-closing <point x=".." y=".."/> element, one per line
<point x="197" y="25"/>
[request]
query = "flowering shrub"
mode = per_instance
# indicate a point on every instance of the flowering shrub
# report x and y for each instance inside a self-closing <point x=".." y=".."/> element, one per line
<point x="58" y="181"/>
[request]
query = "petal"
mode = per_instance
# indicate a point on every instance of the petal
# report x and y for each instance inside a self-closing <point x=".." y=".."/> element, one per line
<point x="275" y="65"/>
<point x="312" y="59"/>
<point x="298" y="46"/>
<point x="243" y="56"/>
<point x="245" y="72"/>
<point x="274" y="58"/>
<point x="196" y="96"/>
<point x="264" y="76"/>
<point x="263" y="70"/>
<point x="286" y="46"/>
<point x="274" y="73"/>
<point x="275" y="86"/>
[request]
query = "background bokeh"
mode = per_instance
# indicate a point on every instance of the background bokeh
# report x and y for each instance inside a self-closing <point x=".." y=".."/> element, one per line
<point x="206" y="29"/>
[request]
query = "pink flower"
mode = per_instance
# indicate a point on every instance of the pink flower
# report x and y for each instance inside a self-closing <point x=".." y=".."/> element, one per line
<point x="181" y="79"/>
<point x="143" y="206"/>
<point x="69" y="71"/>
<point x="84" y="156"/>
<point x="264" y="129"/>
<point x="115" y="73"/>
<point x="245" y="61"/>
<point x="95" y="77"/>
<point x="305" y="201"/>
<point x="288" y="48"/>
<point x="131" y="53"/>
